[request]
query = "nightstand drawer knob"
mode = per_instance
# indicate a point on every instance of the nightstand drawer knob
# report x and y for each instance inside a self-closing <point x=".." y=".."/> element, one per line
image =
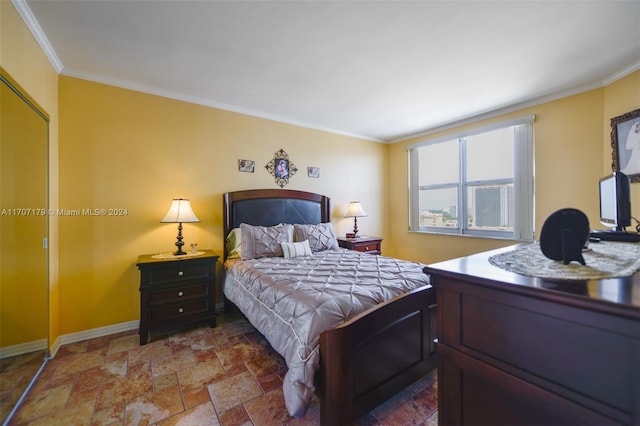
<point x="180" y="310"/>
<point x="180" y="273"/>
<point x="180" y="294"/>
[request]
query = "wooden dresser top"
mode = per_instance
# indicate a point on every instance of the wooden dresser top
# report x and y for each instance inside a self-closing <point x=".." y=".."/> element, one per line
<point x="611" y="294"/>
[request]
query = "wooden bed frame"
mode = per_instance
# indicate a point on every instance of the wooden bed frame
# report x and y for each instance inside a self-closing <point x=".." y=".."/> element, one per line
<point x="369" y="358"/>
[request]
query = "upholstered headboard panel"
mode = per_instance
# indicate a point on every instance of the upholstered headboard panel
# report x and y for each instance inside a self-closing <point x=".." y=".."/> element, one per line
<point x="269" y="212"/>
<point x="268" y="207"/>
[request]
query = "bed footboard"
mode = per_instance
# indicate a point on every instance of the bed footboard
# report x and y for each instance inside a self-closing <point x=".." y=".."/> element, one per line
<point x="370" y="358"/>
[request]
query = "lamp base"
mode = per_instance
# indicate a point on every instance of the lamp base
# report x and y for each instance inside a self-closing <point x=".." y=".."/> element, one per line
<point x="179" y="242"/>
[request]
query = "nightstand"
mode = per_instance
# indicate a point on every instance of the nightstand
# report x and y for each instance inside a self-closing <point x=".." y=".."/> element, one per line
<point x="176" y="290"/>
<point x="371" y="245"/>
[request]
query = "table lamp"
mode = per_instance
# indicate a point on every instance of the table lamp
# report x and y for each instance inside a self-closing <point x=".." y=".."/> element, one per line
<point x="355" y="211"/>
<point x="180" y="212"/>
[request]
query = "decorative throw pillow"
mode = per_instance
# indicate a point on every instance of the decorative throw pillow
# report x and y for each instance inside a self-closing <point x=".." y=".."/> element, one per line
<point x="264" y="241"/>
<point x="292" y="250"/>
<point x="234" y="244"/>
<point x="321" y="236"/>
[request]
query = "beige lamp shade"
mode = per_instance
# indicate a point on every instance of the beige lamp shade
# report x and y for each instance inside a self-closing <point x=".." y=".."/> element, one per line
<point x="180" y="212"/>
<point x="355" y="210"/>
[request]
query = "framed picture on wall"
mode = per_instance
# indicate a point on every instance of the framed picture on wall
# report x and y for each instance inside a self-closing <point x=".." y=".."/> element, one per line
<point x="282" y="169"/>
<point x="625" y="142"/>
<point x="247" y="166"/>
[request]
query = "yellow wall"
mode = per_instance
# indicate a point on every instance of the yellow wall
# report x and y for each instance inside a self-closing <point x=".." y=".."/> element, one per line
<point x="124" y="149"/>
<point x="570" y="143"/>
<point x="22" y="58"/>
<point x="621" y="97"/>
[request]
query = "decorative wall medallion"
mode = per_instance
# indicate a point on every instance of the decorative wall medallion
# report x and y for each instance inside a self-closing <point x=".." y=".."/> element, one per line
<point x="281" y="168"/>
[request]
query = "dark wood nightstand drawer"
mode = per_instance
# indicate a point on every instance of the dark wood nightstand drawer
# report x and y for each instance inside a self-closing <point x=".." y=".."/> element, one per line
<point x="371" y="245"/>
<point x="179" y="310"/>
<point x="176" y="291"/>
<point x="367" y="247"/>
<point x="180" y="272"/>
<point x="178" y="295"/>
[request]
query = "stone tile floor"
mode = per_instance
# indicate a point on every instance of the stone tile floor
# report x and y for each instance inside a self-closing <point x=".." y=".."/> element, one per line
<point x="16" y="373"/>
<point x="228" y="375"/>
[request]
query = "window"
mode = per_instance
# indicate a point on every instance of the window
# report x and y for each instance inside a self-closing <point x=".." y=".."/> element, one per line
<point x="475" y="183"/>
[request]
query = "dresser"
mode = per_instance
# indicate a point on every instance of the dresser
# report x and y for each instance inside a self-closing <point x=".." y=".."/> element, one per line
<point x="176" y="291"/>
<point x="521" y="350"/>
<point x="371" y="245"/>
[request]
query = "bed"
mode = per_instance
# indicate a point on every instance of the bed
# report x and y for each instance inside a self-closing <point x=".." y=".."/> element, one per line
<point x="353" y="356"/>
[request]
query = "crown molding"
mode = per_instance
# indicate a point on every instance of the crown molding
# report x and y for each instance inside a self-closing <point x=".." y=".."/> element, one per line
<point x="622" y="73"/>
<point x="30" y="21"/>
<point x="27" y="16"/>
<point x="204" y="102"/>
<point x="521" y="105"/>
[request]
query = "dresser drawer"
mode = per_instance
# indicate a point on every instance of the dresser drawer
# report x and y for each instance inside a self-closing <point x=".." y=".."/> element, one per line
<point x="532" y="341"/>
<point x="483" y="395"/>
<point x="177" y="295"/>
<point x="180" y="272"/>
<point x="179" y="310"/>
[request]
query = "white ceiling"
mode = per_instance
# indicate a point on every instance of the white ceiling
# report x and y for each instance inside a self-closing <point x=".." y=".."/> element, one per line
<point x="382" y="70"/>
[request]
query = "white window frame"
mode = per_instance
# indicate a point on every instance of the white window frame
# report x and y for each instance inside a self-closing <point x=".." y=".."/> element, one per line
<point x="523" y="182"/>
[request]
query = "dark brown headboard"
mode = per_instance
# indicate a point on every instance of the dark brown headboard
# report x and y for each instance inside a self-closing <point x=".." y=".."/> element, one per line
<point x="268" y="207"/>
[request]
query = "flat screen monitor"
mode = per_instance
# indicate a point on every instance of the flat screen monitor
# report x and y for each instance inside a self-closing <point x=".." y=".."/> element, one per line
<point x="615" y="201"/>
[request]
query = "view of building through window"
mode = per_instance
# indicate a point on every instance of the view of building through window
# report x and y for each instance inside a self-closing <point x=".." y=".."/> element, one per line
<point x="482" y="167"/>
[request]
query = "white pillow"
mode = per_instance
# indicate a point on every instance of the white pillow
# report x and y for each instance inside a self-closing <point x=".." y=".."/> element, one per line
<point x="292" y="250"/>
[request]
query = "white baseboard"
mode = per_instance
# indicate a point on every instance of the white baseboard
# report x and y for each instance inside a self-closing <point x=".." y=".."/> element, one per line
<point x="23" y="348"/>
<point x="92" y="334"/>
<point x="101" y="331"/>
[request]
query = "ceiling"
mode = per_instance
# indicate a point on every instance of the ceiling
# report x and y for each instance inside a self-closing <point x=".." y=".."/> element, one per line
<point x="381" y="70"/>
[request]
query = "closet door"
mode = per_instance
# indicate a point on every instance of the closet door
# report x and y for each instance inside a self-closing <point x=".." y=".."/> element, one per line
<point x="23" y="229"/>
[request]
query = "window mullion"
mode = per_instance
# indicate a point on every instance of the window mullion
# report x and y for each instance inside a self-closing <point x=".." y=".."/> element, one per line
<point x="439" y="186"/>
<point x="462" y="186"/>
<point x="489" y="182"/>
<point x="414" y="190"/>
